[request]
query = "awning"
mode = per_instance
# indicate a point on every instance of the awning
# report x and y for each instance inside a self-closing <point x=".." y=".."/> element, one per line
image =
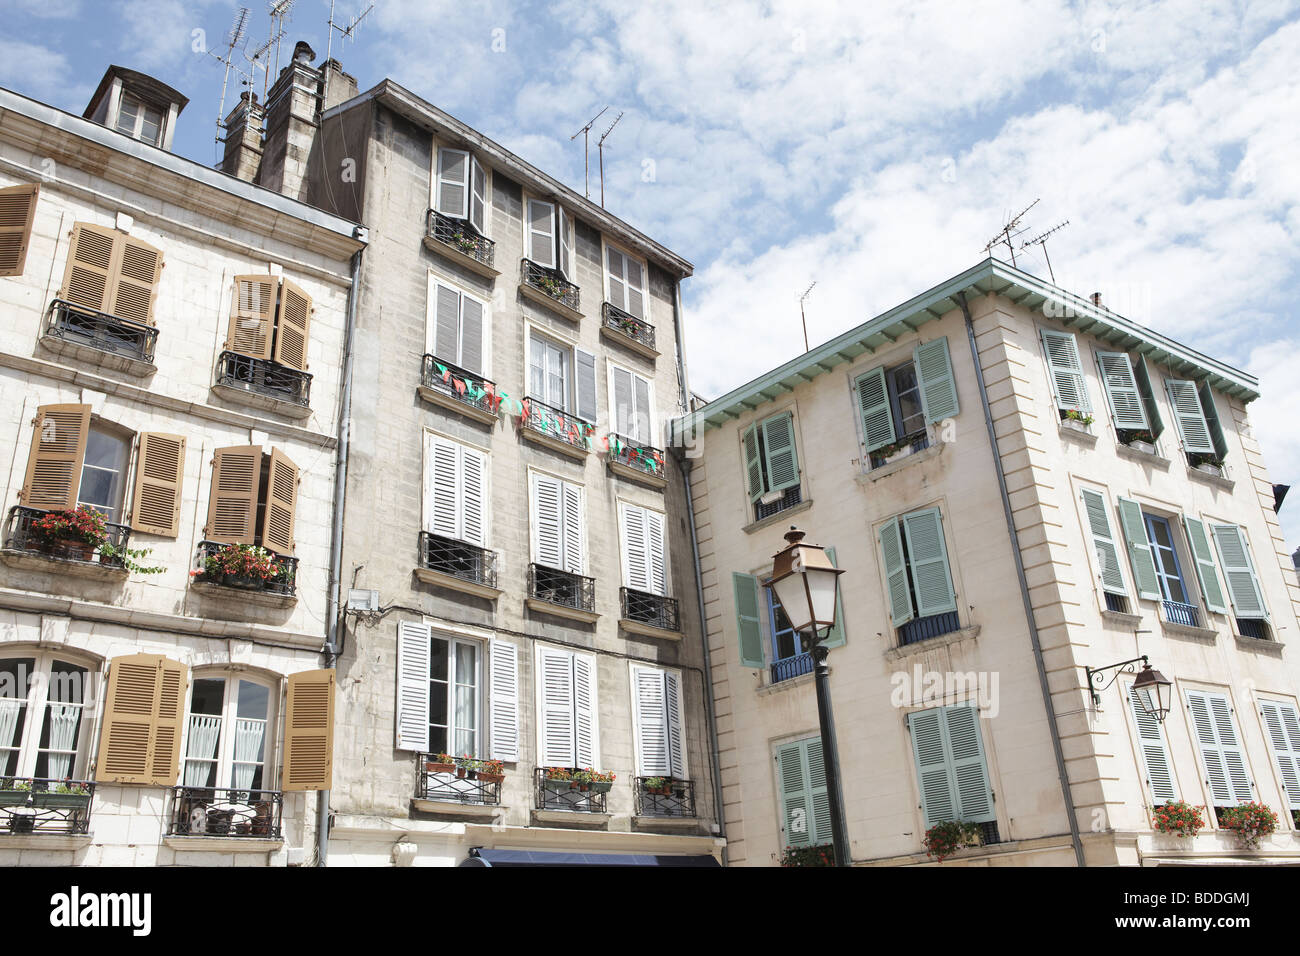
<point x="481" y="857"/>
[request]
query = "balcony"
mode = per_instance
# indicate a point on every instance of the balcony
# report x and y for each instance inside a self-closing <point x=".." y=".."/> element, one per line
<point x="465" y="789"/>
<point x="99" y="338"/>
<point x="25" y="547"/>
<point x="643" y="464"/>
<point x="789" y="668"/>
<point x="670" y="799"/>
<point x="278" y="589"/>
<point x="568" y="795"/>
<point x="477" y="399"/>
<point x="652" y="615"/>
<point x="38" y="805"/>
<point x="458" y="565"/>
<point x="903" y="448"/>
<point x="561" y="593"/>
<point x="924" y="628"/>
<point x="627" y="330"/>
<point x="456" y="240"/>
<point x="559" y="431"/>
<point x="264" y="384"/>
<point x="217" y="812"/>
<point x="1188" y="615"/>
<point x="547" y="287"/>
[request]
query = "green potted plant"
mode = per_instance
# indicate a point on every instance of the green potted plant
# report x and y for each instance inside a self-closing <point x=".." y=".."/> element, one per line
<point x="557" y="779"/>
<point x="243" y="566"/>
<point x="1139" y="439"/>
<point x="440" y="763"/>
<point x="1177" y="817"/>
<point x="582" y="779"/>
<point x="1249" y="822"/>
<point x="1079" y="421"/>
<point x="1207" y="463"/>
<point x="653" y="785"/>
<point x="947" y="837"/>
<point x="65" y="795"/>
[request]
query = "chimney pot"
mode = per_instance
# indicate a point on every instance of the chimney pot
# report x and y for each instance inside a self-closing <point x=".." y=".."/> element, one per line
<point x="303" y="53"/>
<point x="1096" y="300"/>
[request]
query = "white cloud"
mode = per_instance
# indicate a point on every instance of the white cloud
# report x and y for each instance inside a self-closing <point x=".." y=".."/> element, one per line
<point x="41" y="73"/>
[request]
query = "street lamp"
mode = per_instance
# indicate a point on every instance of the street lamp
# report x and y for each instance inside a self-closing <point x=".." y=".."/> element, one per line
<point x="1152" y="687"/>
<point x="805" y="585"/>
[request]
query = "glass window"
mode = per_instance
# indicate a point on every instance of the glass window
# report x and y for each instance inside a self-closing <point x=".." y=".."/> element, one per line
<point x="785" y="642"/>
<point x="453" y="696"/>
<point x="227" y="733"/>
<point x="1165" y="554"/>
<point x="103" y="474"/>
<point x="905" y="394"/>
<point x="51" y="692"/>
<point x="139" y="120"/>
<point x="548" y="379"/>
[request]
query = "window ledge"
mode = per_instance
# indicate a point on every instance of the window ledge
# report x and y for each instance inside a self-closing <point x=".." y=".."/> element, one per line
<point x="452" y="254"/>
<point x="546" y="441"/>
<point x="34" y="561"/>
<point x="578" y="819"/>
<point x="228" y="594"/>
<point x="1258" y="646"/>
<point x="45" y="841"/>
<point x="1215" y="481"/>
<point x="628" y="342"/>
<point x="436" y="396"/>
<point x="649" y="630"/>
<point x="1120" y="618"/>
<point x="1202" y="635"/>
<point x="887" y="469"/>
<point x="1074" y="431"/>
<point x="652" y="823"/>
<point x="637" y="475"/>
<point x="546" y="301"/>
<point x="453" y="583"/>
<point x="776" y="518"/>
<point x="561" y="610"/>
<point x="803" y="680"/>
<point x="454" y="808"/>
<point x="223" y="844"/>
<point x="1152" y="458"/>
<point x="93" y="356"/>
<point x="930" y="643"/>
<point x="264" y="402"/>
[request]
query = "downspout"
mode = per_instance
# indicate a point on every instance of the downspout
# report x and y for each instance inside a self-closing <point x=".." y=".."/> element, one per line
<point x="1075" y="838"/>
<point x="332" y="620"/>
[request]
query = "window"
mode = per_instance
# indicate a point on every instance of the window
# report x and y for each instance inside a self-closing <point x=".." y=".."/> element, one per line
<point x="951" y="768"/>
<point x="455" y="490"/>
<point x="270" y="318"/>
<point x="552" y="380"/>
<point x="226" y="734"/>
<point x="1226" y="774"/>
<point x="557" y="524"/>
<point x="1066" y="373"/>
<point x="103" y="472"/>
<point x="631" y="398"/>
<point x="1178" y="605"/>
<point x="805" y="805"/>
<point x="461" y="188"/>
<point x="567" y="708"/>
<point x="139" y="120"/>
<point x="771" y="465"/>
<point x="644" y="567"/>
<point x="111" y="273"/>
<point x="144" y="719"/>
<point x="922" y="601"/>
<point x="1155" y="751"/>
<point x="17" y="212"/>
<point x="789" y="659"/>
<point x="657" y="715"/>
<point x="457" y="328"/>
<point x="787" y="656"/>
<point x="1283" y="726"/>
<point x="1243" y="583"/>
<point x="44" y="722"/>
<point x="252" y="498"/>
<point x="625" y="279"/>
<point x="1198" y="422"/>
<point x="896" y="404"/>
<point x="1129" y="397"/>
<point x="549" y="238"/>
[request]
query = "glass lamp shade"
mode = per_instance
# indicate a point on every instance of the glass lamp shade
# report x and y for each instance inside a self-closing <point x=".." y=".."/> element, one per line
<point x="1154" y="692"/>
<point x="805" y="584"/>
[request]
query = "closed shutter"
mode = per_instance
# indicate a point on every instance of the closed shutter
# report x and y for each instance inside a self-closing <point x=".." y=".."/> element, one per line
<point x="617" y="278"/>
<point x="453" y="182"/>
<point x="1066" y="371"/>
<point x="17" y="211"/>
<point x="1155" y="754"/>
<point x="252" y="315"/>
<point x="676" y="732"/>
<point x="555" y="696"/>
<point x="281" y="504"/>
<point x="952" y="769"/>
<point x="635" y="287"/>
<point x="548" y="542"/>
<point x="836" y="636"/>
<point x="309" y="732"/>
<point x="779" y="450"/>
<point x="586" y="385"/>
<point x="57" y="454"/>
<point x="624" y="423"/>
<point x="1192" y="427"/>
<point x="444" y="306"/>
<point x="928" y="555"/>
<point x="565" y="243"/>
<point x="821" y="805"/>
<point x="655" y="552"/>
<point x="505" y="701"/>
<point x="442" y="513"/>
<point x="970" y="770"/>
<point x="1221" y="753"/>
<point x="895" y="564"/>
<point x="1283" y="726"/>
<point x="478" y="197"/>
<point x="805" y="805"/>
<point x="159" y="473"/>
<point x="1239" y="572"/>
<point x="1121" y="390"/>
<point x="1203" y="558"/>
<point x="1211" y="412"/>
<point x="877" y="415"/>
<point x="1139" y="550"/>
<point x="651" y="722"/>
<point x="413" y="652"/>
<point x="232" y="497"/>
<point x="90" y="275"/>
<point x="140" y="733"/>
<point x="636" y="571"/>
<point x="474" y="496"/>
<point x="938" y="798"/>
<point x="934" y="374"/>
<point x="169" y="717"/>
<point x="293" y="325"/>
<point x="1154" y="423"/>
<point x="1103" y="543"/>
<point x="753" y="464"/>
<point x="574" y="534"/>
<point x="472" y="352"/>
<point x="139" y="267"/>
<point x="744" y="588"/>
<point x="541" y="233"/>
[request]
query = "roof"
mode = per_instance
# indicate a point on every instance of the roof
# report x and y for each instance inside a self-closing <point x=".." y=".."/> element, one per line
<point x="991" y="275"/>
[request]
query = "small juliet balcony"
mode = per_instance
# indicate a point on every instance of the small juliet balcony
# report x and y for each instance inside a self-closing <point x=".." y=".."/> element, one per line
<point x="458" y="566"/>
<point x="552" y="591"/>
<point x="627" y="330"/>
<point x="457" y="241"/>
<point x="665" y="797"/>
<point x="27" y="547"/>
<point x="225" y="813"/>
<point x="37" y="805"/>
<point x="237" y="572"/>
<point x="457" y="390"/>
<point x="644" y="464"/>
<point x="99" y="338"/>
<point x="451" y="788"/>
<point x="548" y="288"/>
<point x="557" y="430"/>
<point x="651" y="615"/>
<point x="264" y="384"/>
<point x="554" y="791"/>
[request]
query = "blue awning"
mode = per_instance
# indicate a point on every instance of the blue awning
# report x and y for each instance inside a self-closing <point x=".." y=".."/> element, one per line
<point x="480" y="857"/>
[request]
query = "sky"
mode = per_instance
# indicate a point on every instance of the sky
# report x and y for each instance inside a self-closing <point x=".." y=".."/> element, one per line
<point x="873" y="149"/>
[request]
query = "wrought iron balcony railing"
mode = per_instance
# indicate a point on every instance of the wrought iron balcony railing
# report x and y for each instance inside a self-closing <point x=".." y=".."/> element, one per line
<point x="35" y="805"/>
<point x="790" y="667"/>
<point x="561" y="587"/>
<point x="792" y="496"/>
<point x="264" y="377"/>
<point x="550" y="282"/>
<point x="653" y="609"/>
<point x="210" y="811"/>
<point x="640" y="457"/>
<point x="21" y="535"/>
<point x="460" y="235"/>
<point x="568" y="794"/>
<point x="457" y="786"/>
<point x="478" y="392"/>
<point x="98" y="330"/>
<point x="283" y="581"/>
<point x="926" y="627"/>
<point x="458" y="558"/>
<point x="1178" y="613"/>
<point x="639" y="330"/>
<point x="914" y="443"/>
<point x="551" y="422"/>
<point x="673" y="798"/>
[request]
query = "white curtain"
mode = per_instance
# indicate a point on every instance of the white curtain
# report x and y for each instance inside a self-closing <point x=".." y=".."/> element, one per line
<point x="10" y="711"/>
<point x="205" y="731"/>
<point x="63" y="733"/>
<point x="248" y="751"/>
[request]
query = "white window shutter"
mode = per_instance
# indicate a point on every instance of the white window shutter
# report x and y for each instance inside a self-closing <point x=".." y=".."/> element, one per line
<point x="555" y="694"/>
<point x="635" y="565"/>
<point x="641" y="391"/>
<point x="453" y="182"/>
<point x="441" y="486"/>
<point x="548" y="543"/>
<point x="652" y="723"/>
<point x="624" y="420"/>
<point x="655" y="560"/>
<point x="586" y="385"/>
<point x="446" y="321"/>
<point x="635" y="284"/>
<point x="1283" y="726"/>
<point x="565" y="250"/>
<point x="676" y="733"/>
<point x="505" y="701"/>
<point x="471" y="336"/>
<point x="412" y="686"/>
<point x="574" y="534"/>
<point x="541" y="233"/>
<point x="1155" y="754"/>
<point x="617" y="281"/>
<point x="478" y="197"/>
<point x="473" y="496"/>
<point x="584" y="710"/>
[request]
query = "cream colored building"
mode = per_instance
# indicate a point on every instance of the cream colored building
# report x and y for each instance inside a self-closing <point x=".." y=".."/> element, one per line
<point x="996" y="544"/>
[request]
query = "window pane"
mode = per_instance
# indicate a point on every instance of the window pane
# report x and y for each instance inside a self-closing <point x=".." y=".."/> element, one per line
<point x="438" y="659"/>
<point x="101" y="474"/>
<point x="67" y="683"/>
<point x="127" y="114"/>
<point x="16" y="677"/>
<point x="209" y="694"/>
<point x="15" y="683"/>
<point x="150" y="126"/>
<point x="253" y="700"/>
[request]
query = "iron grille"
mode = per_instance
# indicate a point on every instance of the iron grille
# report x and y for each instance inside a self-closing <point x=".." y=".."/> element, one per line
<point x="264" y="377"/>
<point x="644" y="458"/>
<point x="791" y="667"/>
<point x="653" y="609"/>
<point x="1253" y="628"/>
<point x="283" y="581"/>
<point x="1116" y="602"/>
<point x="1186" y="614"/>
<point x="461" y="236"/>
<point x="458" y="786"/>
<point x="458" y="558"/>
<point x="35" y="805"/>
<point x="21" y="535"/>
<point x="924" y="628"/>
<point x="561" y="587"/>
<point x="677" y="801"/>
<point x="554" y="423"/>
<point x="627" y="324"/>
<point x="550" y="282"/>
<point x="568" y="794"/>
<point x="792" y="497"/>
<point x="211" y="811"/>
<point x="98" y="330"/>
<point x="917" y="442"/>
<point x="478" y="393"/>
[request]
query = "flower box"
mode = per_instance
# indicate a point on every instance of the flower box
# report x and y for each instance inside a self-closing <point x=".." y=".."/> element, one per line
<point x="601" y="786"/>
<point x="14" y="798"/>
<point x="1214" y="470"/>
<point x="1142" y="446"/>
<point x="557" y="786"/>
<point x="61" y="801"/>
<point x="485" y="777"/>
<point x="432" y="766"/>
<point x="1076" y="425"/>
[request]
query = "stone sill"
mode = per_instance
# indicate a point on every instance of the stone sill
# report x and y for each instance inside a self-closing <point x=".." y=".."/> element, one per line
<point x="544" y="300"/>
<point x="453" y="583"/>
<point x="264" y="402"/>
<point x="637" y="475"/>
<point x="1076" y="432"/>
<point x="1121" y="619"/>
<point x="1007" y="847"/>
<point x="454" y="808"/>
<point x="1214" y="481"/>
<point x="649" y="630"/>
<point x="32" y="561"/>
<point x="1258" y="646"/>
<point x="777" y="518"/>
<point x="223" y="844"/>
<point x="666" y="823"/>
<point x="1202" y="635"/>
<point x="546" y="441"/>
<point x="561" y="610"/>
<point x="98" y="357"/>
<point x="260" y="598"/>
<point x="803" y="680"/>
<point x="614" y="335"/>
<point x="889" y="467"/>
<point x="930" y="643"/>
<point x="452" y="254"/>
<point x="1152" y="458"/>
<point x="578" y="819"/>
<point x="437" y="396"/>
<point x="45" y="841"/>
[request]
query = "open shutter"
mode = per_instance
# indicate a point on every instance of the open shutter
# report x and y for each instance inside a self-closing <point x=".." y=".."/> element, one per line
<point x="444" y="304"/>
<point x="1139" y="550"/>
<point x="57" y="454"/>
<point x="1192" y="427"/>
<point x="169" y="717"/>
<point x="473" y="496"/>
<point x="796" y="809"/>
<point x="1066" y="371"/>
<point x="139" y="270"/>
<point x="159" y="472"/>
<point x="635" y="550"/>
<point x="877" y="415"/>
<point x="778" y="447"/>
<point x="935" y="781"/>
<point x="1155" y="755"/>
<point x="744" y="588"/>
<point x="478" y="196"/>
<point x="934" y="374"/>
<point x="309" y="732"/>
<point x="1283" y="727"/>
<point x="586" y="394"/>
<point x="1103" y="543"/>
<point x="471" y="336"/>
<point x="676" y="733"/>
<point x="820" y="799"/>
<point x="281" y="504"/>
<point x="17" y="211"/>
<point x="931" y="576"/>
<point x="584" y="710"/>
<point x="651" y="722"/>
<point x="90" y="276"/>
<point x="555" y="694"/>
<point x="505" y="701"/>
<point x="232" y="498"/>
<point x="1203" y="558"/>
<point x="969" y="768"/>
<point x="252" y="315"/>
<point x="836" y="636"/>
<point x="1121" y="388"/>
<point x="574" y="536"/>
<point x="1154" y="422"/>
<point x="413" y="652"/>
<point x="140" y="734"/>
<point x="541" y="233"/>
<point x="891" y="551"/>
<point x="565" y="243"/>
<point x="753" y="464"/>
<point x="441" y="486"/>
<point x="293" y="323"/>
<point x="617" y="278"/>
<point x="1211" y="412"/>
<point x="548" y="544"/>
<point x="1225" y="763"/>
<point x="1239" y="572"/>
<point x="655" y="557"/>
<point x="635" y="287"/>
<point x="453" y="182"/>
<point x="621" y="414"/>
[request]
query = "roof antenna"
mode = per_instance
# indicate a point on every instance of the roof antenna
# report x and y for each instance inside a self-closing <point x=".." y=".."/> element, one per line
<point x="279" y="10"/>
<point x="255" y="63"/>
<point x="600" y="149"/>
<point x="1009" y="232"/>
<point x="348" y="33"/>
<point x="803" y="317"/>
<point x="235" y="38"/>
<point x="586" y="151"/>
<point x="1041" y="240"/>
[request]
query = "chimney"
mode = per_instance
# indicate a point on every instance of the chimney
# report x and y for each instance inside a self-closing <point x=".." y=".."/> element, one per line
<point x="339" y="86"/>
<point x="243" y="156"/>
<point x="292" y="119"/>
<point x="1096" y="300"/>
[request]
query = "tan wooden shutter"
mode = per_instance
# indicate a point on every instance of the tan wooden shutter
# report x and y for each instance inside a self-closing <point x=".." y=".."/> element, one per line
<point x="17" y="210"/>
<point x="252" y="312"/>
<point x="140" y="737"/>
<point x="232" y="499"/>
<point x="309" y="732"/>
<point x="58" y="451"/>
<point x="159" y="471"/>
<point x="293" y="322"/>
<point x="138" y="269"/>
<point x="281" y="504"/>
<point x="90" y="277"/>
<point x="169" y="713"/>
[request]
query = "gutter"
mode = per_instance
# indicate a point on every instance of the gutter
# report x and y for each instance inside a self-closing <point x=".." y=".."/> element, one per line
<point x="1057" y="750"/>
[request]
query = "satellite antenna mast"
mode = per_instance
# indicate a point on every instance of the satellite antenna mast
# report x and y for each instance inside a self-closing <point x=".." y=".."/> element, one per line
<point x="803" y="317"/>
<point x="347" y="33"/>
<point x="255" y="62"/>
<point x="235" y="38"/>
<point x="279" y="10"/>
<point x="586" y="152"/>
<point x="600" y="149"/>
<point x="1041" y="240"/>
<point x="1009" y="232"/>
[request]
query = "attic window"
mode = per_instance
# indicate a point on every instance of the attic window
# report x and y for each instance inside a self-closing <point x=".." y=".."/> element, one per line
<point x="139" y="120"/>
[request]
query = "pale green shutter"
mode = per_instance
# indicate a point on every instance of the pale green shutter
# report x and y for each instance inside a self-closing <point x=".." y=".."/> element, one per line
<point x="1121" y="390"/>
<point x="753" y="466"/>
<point x="877" y="415"/>
<point x="796" y="813"/>
<point x="1103" y="543"/>
<point x="1211" y="412"/>
<point x="1239" y="572"/>
<point x="1154" y="423"/>
<point x="1189" y="415"/>
<point x="1155" y="755"/>
<point x="1225" y="763"/>
<point x="891" y="551"/>
<point x="938" y="796"/>
<point x="970" y="772"/>
<point x="1139" y="550"/>
<point x="1203" y="558"/>
<point x="1284" y="734"/>
<point x="1066" y="371"/>
<point x="836" y="636"/>
<point x="778" y="449"/>
<point x="745" y="588"/>
<point x="938" y="387"/>
<point x="928" y="556"/>
<point x="815" y="767"/>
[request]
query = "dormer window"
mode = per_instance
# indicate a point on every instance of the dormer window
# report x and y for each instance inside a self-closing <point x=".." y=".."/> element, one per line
<point x="136" y="105"/>
<point x="139" y="120"/>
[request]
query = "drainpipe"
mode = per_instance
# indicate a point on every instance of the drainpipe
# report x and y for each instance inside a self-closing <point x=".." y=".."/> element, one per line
<point x="1075" y="839"/>
<point x="332" y="619"/>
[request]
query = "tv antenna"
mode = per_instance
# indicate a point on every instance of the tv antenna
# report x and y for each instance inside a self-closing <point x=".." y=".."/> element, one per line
<point x="256" y="62"/>
<point x="1009" y="232"/>
<point x="1041" y="240"/>
<point x="600" y="149"/>
<point x="804" y="318"/>
<point x="234" y="38"/>
<point x="279" y="11"/>
<point x="346" y="33"/>
<point x="586" y="151"/>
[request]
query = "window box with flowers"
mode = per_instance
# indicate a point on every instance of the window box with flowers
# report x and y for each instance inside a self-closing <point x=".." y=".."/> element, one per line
<point x="266" y="577"/>
<point x="944" y="839"/>
<point x="820" y="855"/>
<point x="1178" y="818"/>
<point x="80" y="536"/>
<point x="1139" y="439"/>
<point x="1206" y="463"/>
<point x="1249" y="821"/>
